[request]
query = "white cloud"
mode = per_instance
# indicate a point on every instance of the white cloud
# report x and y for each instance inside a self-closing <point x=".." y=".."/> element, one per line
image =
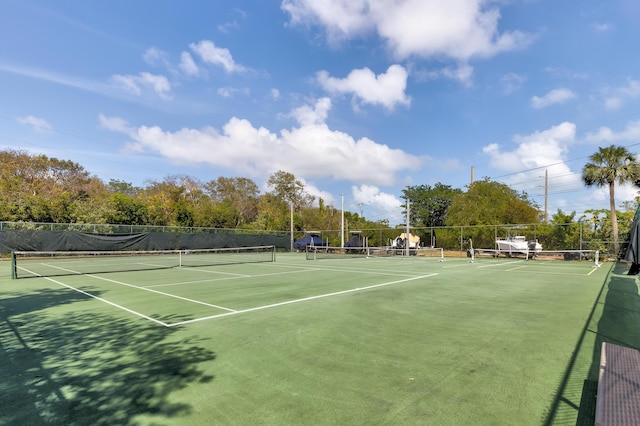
<point x="317" y="193"/>
<point x="159" y="83"/>
<point x="553" y="97"/>
<point x="600" y="195"/>
<point x="115" y="124"/>
<point x="188" y="65"/>
<point x="136" y="83"/>
<point x="606" y="135"/>
<point x="311" y="151"/>
<point x="613" y="102"/>
<point x="126" y="82"/>
<point x="307" y="115"/>
<point x="540" y="150"/>
<point x="457" y="29"/>
<point x="211" y="54"/>
<point x="275" y="94"/>
<point x="378" y="203"/>
<point x="462" y="74"/>
<point x="154" y="56"/>
<point x="534" y="150"/>
<point x="341" y="19"/>
<point x="546" y="150"/>
<point x="626" y="192"/>
<point x="228" y="26"/>
<point x="39" y="125"/>
<point x="618" y="96"/>
<point x="387" y="89"/>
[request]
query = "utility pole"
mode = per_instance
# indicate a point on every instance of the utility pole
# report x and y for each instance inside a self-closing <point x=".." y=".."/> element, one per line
<point x="342" y="225"/>
<point x="408" y="229"/>
<point x="291" y="224"/>
<point x="546" y="196"/>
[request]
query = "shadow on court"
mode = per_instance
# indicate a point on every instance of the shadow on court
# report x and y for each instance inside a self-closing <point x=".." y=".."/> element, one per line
<point x="63" y="363"/>
<point x="614" y="319"/>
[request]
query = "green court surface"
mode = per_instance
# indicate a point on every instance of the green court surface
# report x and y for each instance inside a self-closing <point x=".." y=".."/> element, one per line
<point x="358" y="341"/>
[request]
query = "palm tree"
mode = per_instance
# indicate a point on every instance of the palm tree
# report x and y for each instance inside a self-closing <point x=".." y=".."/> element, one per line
<point x="606" y="167"/>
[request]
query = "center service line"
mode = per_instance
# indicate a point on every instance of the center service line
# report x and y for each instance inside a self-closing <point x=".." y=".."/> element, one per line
<point x="300" y="300"/>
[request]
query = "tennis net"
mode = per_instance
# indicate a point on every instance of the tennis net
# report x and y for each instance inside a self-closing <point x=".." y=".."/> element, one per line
<point x="324" y="252"/>
<point x="57" y="263"/>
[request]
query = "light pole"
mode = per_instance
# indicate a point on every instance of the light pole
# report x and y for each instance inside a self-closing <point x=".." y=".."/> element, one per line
<point x="342" y="225"/>
<point x="291" y="225"/>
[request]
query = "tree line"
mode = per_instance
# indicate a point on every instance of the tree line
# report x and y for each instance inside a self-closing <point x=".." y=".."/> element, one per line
<point x="37" y="188"/>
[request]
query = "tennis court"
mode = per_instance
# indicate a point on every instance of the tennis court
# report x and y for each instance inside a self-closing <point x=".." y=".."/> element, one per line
<point x="352" y="340"/>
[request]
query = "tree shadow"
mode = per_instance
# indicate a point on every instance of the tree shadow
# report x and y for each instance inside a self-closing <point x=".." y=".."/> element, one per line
<point x="63" y="363"/>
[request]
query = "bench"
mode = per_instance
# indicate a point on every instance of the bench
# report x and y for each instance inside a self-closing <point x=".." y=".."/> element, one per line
<point x="618" y="400"/>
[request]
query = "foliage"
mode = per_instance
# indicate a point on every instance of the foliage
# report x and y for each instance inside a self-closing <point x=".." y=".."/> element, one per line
<point x="287" y="188"/>
<point x="122" y="187"/>
<point x="487" y="203"/>
<point x="241" y="193"/>
<point x="606" y="167"/>
<point x="39" y="188"/>
<point x="36" y="188"/>
<point x="565" y="232"/>
<point x="127" y="210"/>
<point x="429" y="205"/>
<point x="273" y="213"/>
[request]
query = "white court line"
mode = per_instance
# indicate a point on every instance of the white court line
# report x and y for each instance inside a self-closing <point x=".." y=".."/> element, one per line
<point x="208" y="271"/>
<point x="161" y="293"/>
<point x="154" y="266"/>
<point x="516" y="268"/>
<point x="230" y="311"/>
<point x="230" y="278"/>
<point x="366" y="271"/>
<point x="298" y="269"/>
<point x="499" y="263"/>
<point x="131" y="311"/>
<point x="132" y="286"/>
<point x="305" y="299"/>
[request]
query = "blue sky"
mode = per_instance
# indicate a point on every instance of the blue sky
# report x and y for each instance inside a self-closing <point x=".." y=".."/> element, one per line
<point x="356" y="98"/>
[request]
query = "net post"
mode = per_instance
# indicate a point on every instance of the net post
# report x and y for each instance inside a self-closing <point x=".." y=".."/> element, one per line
<point x="309" y="254"/>
<point x="14" y="268"/>
<point x="471" y="251"/>
<point x="597" y="260"/>
<point x="442" y="259"/>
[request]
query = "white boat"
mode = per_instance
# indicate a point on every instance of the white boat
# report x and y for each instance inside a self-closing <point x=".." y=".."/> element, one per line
<point x="400" y="244"/>
<point x="518" y="245"/>
<point x="401" y="241"/>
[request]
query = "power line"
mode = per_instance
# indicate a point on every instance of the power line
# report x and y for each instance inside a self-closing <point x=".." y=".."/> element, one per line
<point x="552" y="164"/>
